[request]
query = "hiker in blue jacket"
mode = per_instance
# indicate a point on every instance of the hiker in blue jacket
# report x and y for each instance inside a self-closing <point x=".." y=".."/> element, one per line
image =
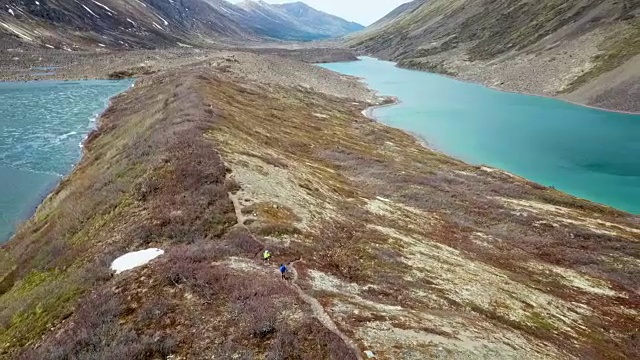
<point x="283" y="271"/>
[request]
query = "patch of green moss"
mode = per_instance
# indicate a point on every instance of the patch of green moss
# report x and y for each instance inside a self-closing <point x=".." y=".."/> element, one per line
<point x="44" y="298"/>
<point x="35" y="279"/>
<point x="538" y="320"/>
<point x="100" y="221"/>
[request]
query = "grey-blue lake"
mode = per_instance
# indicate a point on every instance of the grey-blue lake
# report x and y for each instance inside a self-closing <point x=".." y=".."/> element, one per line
<point x="42" y="125"/>
<point x="589" y="153"/>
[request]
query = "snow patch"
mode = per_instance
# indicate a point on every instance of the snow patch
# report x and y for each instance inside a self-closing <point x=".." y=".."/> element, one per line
<point x="19" y="33"/>
<point x="131" y="21"/>
<point x="101" y="45"/>
<point x="158" y="26"/>
<point x="89" y="10"/>
<point x="11" y="12"/>
<point x="103" y="6"/>
<point x="141" y="3"/>
<point x="49" y="46"/>
<point x="135" y="259"/>
<point x="163" y="20"/>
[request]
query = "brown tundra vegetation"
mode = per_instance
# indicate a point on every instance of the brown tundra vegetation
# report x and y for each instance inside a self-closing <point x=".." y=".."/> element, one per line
<point x="394" y="249"/>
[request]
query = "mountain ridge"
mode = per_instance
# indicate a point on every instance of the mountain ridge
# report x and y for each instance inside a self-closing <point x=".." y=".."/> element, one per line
<point x="296" y="21"/>
<point x="150" y="24"/>
<point x="328" y="24"/>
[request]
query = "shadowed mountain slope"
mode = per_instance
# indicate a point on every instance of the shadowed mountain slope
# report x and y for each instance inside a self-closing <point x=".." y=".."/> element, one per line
<point x="69" y="24"/>
<point x="319" y="22"/>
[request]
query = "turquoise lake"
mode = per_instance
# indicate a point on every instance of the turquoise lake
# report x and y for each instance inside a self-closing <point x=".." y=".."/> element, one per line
<point x="42" y="126"/>
<point x="589" y="153"/>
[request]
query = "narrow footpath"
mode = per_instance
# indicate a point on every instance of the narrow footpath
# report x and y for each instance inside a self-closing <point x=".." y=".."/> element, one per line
<point x="320" y="314"/>
<point x="318" y="311"/>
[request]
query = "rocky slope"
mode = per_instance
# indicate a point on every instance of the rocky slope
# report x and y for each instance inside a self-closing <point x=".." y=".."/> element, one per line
<point x="149" y="24"/>
<point x="321" y="23"/>
<point x="73" y="25"/>
<point x="394" y="249"/>
<point x="295" y="21"/>
<point x="403" y="9"/>
<point x="581" y="50"/>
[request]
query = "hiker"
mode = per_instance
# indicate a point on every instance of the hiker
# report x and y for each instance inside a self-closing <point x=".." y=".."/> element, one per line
<point x="266" y="256"/>
<point x="283" y="271"/>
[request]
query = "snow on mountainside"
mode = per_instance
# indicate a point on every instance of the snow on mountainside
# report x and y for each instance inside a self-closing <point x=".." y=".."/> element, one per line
<point x="68" y="24"/>
<point x="147" y="24"/>
<point x="296" y="21"/>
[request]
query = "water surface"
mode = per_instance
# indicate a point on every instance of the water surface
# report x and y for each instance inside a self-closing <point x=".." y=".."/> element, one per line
<point x="586" y="152"/>
<point x="42" y="125"/>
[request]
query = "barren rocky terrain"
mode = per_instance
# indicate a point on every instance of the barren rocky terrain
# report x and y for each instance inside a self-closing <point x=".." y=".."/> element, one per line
<point x="396" y="251"/>
<point x="26" y="63"/>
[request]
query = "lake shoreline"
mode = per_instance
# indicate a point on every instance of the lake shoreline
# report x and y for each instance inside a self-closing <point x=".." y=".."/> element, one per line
<point x="493" y="87"/>
<point x="170" y="169"/>
<point x="49" y="189"/>
<point x="392" y="84"/>
<point x="368" y="113"/>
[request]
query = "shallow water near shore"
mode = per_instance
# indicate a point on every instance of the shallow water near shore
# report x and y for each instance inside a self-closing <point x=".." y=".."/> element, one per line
<point x="42" y="125"/>
<point x="589" y="153"/>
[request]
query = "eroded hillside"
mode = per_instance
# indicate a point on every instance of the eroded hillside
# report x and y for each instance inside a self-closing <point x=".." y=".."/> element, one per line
<point x="582" y="50"/>
<point x="394" y="249"/>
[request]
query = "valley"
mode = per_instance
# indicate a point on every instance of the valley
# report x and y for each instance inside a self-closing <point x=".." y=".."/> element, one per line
<point x="232" y="141"/>
<point x="411" y="253"/>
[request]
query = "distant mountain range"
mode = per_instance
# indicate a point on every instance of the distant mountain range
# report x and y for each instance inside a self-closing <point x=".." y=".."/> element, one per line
<point x="295" y="21"/>
<point x="79" y="24"/>
<point x="548" y="47"/>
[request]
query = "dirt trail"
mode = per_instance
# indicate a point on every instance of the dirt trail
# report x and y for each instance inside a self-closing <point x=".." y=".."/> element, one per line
<point x="241" y="218"/>
<point x="320" y="314"/>
<point x="239" y="215"/>
<point x="318" y="311"/>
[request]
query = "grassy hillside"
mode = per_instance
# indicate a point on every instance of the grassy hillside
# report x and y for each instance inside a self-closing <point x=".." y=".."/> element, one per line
<point x="394" y="248"/>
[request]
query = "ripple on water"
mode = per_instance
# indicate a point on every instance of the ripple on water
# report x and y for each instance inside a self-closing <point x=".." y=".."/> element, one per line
<point x="41" y="124"/>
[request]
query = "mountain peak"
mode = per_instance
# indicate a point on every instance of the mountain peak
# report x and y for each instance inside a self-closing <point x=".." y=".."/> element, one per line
<point x="70" y="25"/>
<point x="303" y="21"/>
